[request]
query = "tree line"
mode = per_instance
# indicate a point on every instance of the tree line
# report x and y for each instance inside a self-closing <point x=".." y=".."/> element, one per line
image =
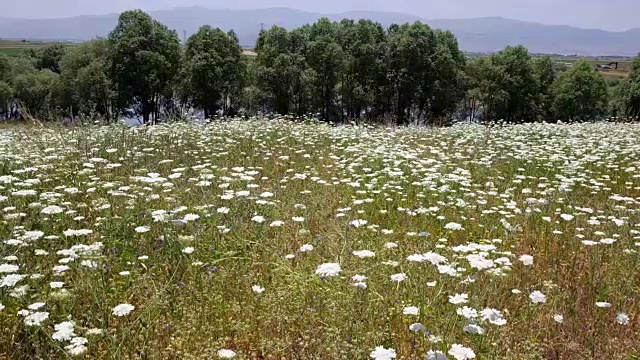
<point x="334" y="71"/>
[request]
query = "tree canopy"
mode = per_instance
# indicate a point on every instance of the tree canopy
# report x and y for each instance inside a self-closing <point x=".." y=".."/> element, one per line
<point x="334" y="71"/>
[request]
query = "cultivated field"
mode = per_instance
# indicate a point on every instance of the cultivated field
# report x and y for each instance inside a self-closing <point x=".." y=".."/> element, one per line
<point x="274" y="240"/>
<point x="14" y="48"/>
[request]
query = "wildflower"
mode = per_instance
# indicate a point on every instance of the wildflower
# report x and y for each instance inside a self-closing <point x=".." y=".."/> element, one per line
<point x="8" y="268"/>
<point x="226" y="354"/>
<point x="259" y="219"/>
<point x="538" y="297"/>
<point x="380" y="353"/>
<point x="460" y="352"/>
<point x="188" y="250"/>
<point x="416" y="327"/>
<point x="603" y="304"/>
<point x="622" y="318"/>
<point x="36" y="318"/>
<point x="276" y="223"/>
<point x="328" y="269"/>
<point x="558" y="318"/>
<point x="467" y="312"/>
<point x="459" y="299"/>
<point x="527" y="260"/>
<point x="411" y="310"/>
<point x="123" y="309"/>
<point x="306" y="247"/>
<point x="142" y="229"/>
<point x="493" y="316"/>
<point x="51" y="210"/>
<point x="453" y="226"/>
<point x="257" y="289"/>
<point x="64" y="331"/>
<point x="398" y="277"/>
<point x="364" y="253"/>
<point x="473" y="329"/>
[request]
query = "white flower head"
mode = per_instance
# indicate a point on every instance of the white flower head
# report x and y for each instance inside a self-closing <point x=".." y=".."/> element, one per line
<point x="123" y="309"/>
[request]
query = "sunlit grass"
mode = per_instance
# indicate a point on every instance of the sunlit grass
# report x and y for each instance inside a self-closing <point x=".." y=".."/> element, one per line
<point x="216" y="236"/>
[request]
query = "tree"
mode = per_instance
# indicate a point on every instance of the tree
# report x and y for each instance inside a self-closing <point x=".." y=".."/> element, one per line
<point x="86" y="87"/>
<point x="545" y="74"/>
<point x="324" y="58"/>
<point x="50" y="56"/>
<point x="215" y="67"/>
<point x="145" y="60"/>
<point x="627" y="93"/>
<point x="580" y="93"/>
<point x="36" y="91"/>
<point x="276" y="69"/>
<point x="6" y="96"/>
<point x="516" y="77"/>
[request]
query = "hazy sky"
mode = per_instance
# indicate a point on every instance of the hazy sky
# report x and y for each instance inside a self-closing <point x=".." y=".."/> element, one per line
<point x="604" y="14"/>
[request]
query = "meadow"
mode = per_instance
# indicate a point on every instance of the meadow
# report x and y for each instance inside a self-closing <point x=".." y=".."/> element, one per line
<point x="257" y="239"/>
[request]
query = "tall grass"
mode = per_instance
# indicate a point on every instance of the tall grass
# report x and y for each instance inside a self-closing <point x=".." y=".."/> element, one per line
<point x="453" y="209"/>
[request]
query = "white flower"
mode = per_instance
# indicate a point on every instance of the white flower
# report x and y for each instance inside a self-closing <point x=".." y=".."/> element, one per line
<point x="328" y="269"/>
<point x="191" y="217"/>
<point x="459" y="299"/>
<point x="467" y="312"/>
<point x="558" y="318"/>
<point x="257" y="289"/>
<point x="460" y="352"/>
<point x="142" y="229"/>
<point x="473" y="329"/>
<point x="276" y="223"/>
<point x="538" y="297"/>
<point x="357" y="223"/>
<point x="364" y="253"/>
<point x="259" y="219"/>
<point x="380" y="353"/>
<point x="36" y="306"/>
<point x="223" y="210"/>
<point x="50" y="210"/>
<point x="567" y="217"/>
<point x="8" y="268"/>
<point x="64" y="331"/>
<point x="527" y="260"/>
<point x="453" y="226"/>
<point x="297" y="218"/>
<point x="411" y="310"/>
<point x="622" y="318"/>
<point x="603" y="304"/>
<point x="398" y="277"/>
<point x="416" y="327"/>
<point x="493" y="316"/>
<point x="36" y="319"/>
<point x="188" y="250"/>
<point x="226" y="354"/>
<point x="123" y="309"/>
<point x="358" y="277"/>
<point x="306" y="247"/>
<point x="1" y="307"/>
<point x="390" y="245"/>
<point x="360" y="285"/>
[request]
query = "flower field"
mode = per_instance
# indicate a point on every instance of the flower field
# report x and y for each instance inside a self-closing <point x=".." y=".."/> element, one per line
<point x="273" y="240"/>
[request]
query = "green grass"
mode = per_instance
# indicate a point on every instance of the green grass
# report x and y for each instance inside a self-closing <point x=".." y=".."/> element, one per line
<point x="15" y="48"/>
<point x="479" y="197"/>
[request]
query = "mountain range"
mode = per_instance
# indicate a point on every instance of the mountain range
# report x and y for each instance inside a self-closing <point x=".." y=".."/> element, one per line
<point x="486" y="34"/>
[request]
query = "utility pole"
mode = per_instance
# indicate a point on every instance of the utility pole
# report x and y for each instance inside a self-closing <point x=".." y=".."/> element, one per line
<point x="184" y="37"/>
<point x="262" y="26"/>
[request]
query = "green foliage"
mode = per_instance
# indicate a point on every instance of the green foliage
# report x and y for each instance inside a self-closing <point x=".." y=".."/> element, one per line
<point x="86" y="86"/>
<point x="336" y="71"/>
<point x="626" y="96"/>
<point x="36" y="91"/>
<point x="214" y="68"/>
<point x="145" y="59"/>
<point x="580" y="93"/>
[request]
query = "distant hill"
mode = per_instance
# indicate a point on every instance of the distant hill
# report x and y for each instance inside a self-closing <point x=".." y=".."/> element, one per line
<point x="475" y="35"/>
